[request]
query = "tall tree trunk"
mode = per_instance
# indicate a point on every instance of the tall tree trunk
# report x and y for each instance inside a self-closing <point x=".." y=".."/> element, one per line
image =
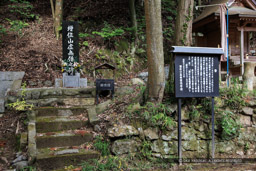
<point x="133" y="18"/>
<point x="183" y="26"/>
<point x="58" y="17"/>
<point x="183" y="30"/>
<point x="156" y="80"/>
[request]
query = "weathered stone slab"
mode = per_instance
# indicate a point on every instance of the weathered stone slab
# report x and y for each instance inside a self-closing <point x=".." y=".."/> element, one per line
<point x="58" y="83"/>
<point x="122" y="130"/>
<point x="93" y="117"/>
<point x="10" y="76"/>
<point x="79" y="101"/>
<point x="4" y="86"/>
<point x="31" y="142"/>
<point x="65" y="113"/>
<point x="151" y="133"/>
<point x="245" y="120"/>
<point x="102" y="106"/>
<point x="16" y="85"/>
<point x="83" y="82"/>
<point x="68" y="151"/>
<point x="247" y="110"/>
<point x="71" y="81"/>
<point x="124" y="146"/>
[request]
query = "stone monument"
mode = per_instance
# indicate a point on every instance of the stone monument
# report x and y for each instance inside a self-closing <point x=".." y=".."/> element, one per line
<point x="70" y="64"/>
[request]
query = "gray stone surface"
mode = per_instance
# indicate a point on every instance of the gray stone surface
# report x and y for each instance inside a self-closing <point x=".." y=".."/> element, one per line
<point x="124" y="146"/>
<point x="122" y="130"/>
<point x="151" y="133"/>
<point x="31" y="142"/>
<point x="247" y="110"/>
<point x="83" y="82"/>
<point x="71" y="81"/>
<point x="102" y="106"/>
<point x="10" y="76"/>
<point x="16" y="85"/>
<point x="4" y="86"/>
<point x="65" y="113"/>
<point x="58" y="83"/>
<point x="245" y="120"/>
<point x="68" y="151"/>
<point x="93" y="117"/>
<point x="21" y="165"/>
<point x="2" y="107"/>
<point x="137" y="81"/>
<point x="144" y="75"/>
<point x="48" y="83"/>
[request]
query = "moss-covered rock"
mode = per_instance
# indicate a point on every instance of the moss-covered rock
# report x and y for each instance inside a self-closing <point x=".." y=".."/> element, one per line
<point x="125" y="146"/>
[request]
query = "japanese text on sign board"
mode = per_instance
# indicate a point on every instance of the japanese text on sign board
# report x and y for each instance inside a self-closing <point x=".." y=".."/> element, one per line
<point x="70" y="48"/>
<point x="196" y="76"/>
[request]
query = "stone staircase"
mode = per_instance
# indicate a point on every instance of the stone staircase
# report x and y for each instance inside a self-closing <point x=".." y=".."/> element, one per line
<point x="59" y="137"/>
<point x="60" y="134"/>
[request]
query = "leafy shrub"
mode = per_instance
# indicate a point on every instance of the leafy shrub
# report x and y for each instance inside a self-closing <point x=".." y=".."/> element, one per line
<point x="107" y="163"/>
<point x="17" y="26"/>
<point x="230" y="126"/>
<point x="157" y="115"/>
<point x="102" y="146"/>
<point x="23" y="9"/>
<point x="108" y="32"/>
<point x="233" y="96"/>
<point x="21" y="105"/>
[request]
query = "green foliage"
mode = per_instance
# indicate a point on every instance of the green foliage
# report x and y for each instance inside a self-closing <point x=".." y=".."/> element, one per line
<point x="23" y="9"/>
<point x="230" y="126"/>
<point x="146" y="149"/>
<point x="194" y="113"/>
<point x="85" y="35"/>
<point x="28" y="168"/>
<point x="169" y="9"/>
<point x="17" y="26"/>
<point x="233" y="96"/>
<point x="86" y="43"/>
<point x="157" y="115"/>
<point x="108" y="32"/>
<point x="21" y="105"/>
<point x="105" y="164"/>
<point x="102" y="146"/>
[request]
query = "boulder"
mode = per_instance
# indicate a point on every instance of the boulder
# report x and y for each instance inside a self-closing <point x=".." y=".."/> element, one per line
<point x="247" y="110"/>
<point x="164" y="147"/>
<point x="151" y="133"/>
<point x="102" y="106"/>
<point x="245" y="120"/>
<point x="122" y="130"/>
<point x="125" y="146"/>
<point x="137" y="81"/>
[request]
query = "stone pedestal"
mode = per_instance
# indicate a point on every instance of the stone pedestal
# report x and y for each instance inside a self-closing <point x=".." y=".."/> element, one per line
<point x="69" y="81"/>
<point x="248" y="77"/>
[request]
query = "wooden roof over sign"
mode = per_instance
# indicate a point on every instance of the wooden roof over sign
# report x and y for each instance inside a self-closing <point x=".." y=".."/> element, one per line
<point x="241" y="8"/>
<point x="105" y="66"/>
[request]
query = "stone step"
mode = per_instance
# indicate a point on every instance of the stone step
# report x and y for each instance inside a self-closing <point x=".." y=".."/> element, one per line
<point x="55" y="124"/>
<point x="50" y="111"/>
<point x="61" y="101"/>
<point x="48" y="159"/>
<point x="63" y="139"/>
